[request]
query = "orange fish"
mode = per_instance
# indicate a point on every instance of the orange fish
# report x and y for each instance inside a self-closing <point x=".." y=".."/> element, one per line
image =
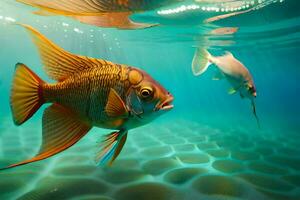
<point x="103" y="13"/>
<point x="89" y="92"/>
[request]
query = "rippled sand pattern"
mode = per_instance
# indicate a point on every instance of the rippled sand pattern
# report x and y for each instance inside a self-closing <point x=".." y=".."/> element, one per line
<point x="179" y="160"/>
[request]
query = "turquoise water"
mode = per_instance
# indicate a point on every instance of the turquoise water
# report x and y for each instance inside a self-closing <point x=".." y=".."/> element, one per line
<point x="207" y="147"/>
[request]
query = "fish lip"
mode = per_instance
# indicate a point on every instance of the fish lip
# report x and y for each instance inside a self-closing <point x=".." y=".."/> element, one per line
<point x="166" y="104"/>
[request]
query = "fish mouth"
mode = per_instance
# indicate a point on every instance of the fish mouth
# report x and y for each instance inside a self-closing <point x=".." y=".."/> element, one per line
<point x="167" y="104"/>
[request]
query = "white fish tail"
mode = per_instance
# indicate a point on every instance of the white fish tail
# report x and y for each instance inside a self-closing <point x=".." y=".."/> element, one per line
<point x="201" y="61"/>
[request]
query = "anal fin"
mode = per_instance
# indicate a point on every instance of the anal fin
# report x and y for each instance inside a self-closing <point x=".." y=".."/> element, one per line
<point x="118" y="148"/>
<point x="61" y="130"/>
<point x="111" y="147"/>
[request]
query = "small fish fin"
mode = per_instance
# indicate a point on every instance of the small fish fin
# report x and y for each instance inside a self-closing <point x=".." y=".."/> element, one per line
<point x="115" y="106"/>
<point x="58" y="63"/>
<point x="119" y="148"/>
<point x="254" y="113"/>
<point x="111" y="147"/>
<point x="200" y="61"/>
<point x="26" y="94"/>
<point x="61" y="130"/>
<point x="118" y="20"/>
<point x="218" y="75"/>
<point x="232" y="91"/>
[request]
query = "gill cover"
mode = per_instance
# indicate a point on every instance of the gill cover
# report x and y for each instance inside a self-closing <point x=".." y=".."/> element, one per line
<point x="134" y="103"/>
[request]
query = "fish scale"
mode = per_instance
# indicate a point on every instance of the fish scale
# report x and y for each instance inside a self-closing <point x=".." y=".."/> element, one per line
<point x="87" y="90"/>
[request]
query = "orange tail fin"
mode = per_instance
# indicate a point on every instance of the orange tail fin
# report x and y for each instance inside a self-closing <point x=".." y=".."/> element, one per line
<point x="26" y="94"/>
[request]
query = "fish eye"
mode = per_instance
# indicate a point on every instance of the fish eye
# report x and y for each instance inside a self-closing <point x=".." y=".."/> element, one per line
<point x="146" y="92"/>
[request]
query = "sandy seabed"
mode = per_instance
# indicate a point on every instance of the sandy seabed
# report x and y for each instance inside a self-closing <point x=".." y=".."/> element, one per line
<point x="161" y="161"/>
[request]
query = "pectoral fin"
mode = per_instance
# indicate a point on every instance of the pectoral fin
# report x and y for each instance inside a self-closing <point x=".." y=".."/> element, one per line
<point x="61" y="130"/>
<point x="111" y="147"/>
<point x="115" y="106"/>
<point x="231" y="91"/>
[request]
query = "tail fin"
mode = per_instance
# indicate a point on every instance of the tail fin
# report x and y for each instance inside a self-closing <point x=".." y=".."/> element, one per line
<point x="201" y="61"/>
<point x="26" y="94"/>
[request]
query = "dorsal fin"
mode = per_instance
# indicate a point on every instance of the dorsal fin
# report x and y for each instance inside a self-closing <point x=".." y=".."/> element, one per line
<point x="58" y="63"/>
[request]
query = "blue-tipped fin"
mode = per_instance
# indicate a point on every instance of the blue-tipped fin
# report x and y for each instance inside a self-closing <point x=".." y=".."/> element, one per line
<point x="111" y="147"/>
